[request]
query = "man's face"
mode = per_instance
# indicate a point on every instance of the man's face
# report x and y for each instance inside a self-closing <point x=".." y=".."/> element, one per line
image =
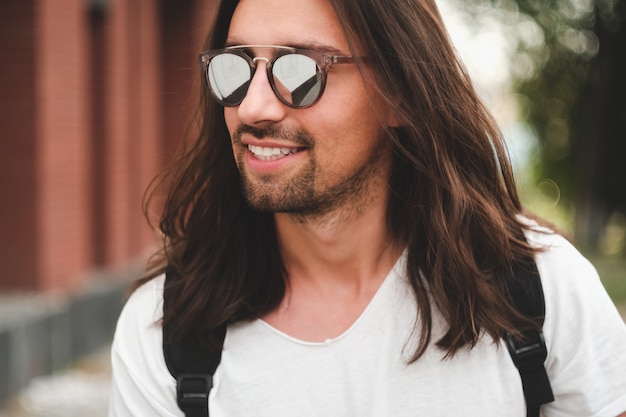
<point x="305" y="161"/>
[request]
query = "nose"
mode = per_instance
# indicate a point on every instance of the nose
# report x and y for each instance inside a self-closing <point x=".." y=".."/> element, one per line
<point x="260" y="105"/>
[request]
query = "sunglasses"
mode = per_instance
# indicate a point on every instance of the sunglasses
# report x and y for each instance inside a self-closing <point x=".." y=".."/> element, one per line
<point x="297" y="76"/>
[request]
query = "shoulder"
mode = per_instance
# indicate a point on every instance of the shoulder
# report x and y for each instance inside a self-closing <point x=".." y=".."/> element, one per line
<point x="558" y="258"/>
<point x="138" y="330"/>
<point x="571" y="284"/>
<point x="144" y="308"/>
<point x="569" y="279"/>
<point x="584" y="332"/>
<point x="141" y="382"/>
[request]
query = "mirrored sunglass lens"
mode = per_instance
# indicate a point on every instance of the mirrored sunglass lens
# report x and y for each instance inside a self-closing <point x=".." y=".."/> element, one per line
<point x="297" y="79"/>
<point x="229" y="77"/>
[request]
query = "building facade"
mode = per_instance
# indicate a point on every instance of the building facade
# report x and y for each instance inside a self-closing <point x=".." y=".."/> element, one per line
<point x="95" y="96"/>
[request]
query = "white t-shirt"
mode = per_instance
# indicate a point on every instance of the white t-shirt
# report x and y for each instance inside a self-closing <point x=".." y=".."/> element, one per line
<point x="364" y="372"/>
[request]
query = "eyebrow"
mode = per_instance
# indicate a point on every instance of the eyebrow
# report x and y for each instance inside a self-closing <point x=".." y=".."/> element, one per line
<point x="313" y="46"/>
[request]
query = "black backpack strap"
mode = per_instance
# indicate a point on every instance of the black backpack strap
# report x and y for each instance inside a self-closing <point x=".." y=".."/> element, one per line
<point x="530" y="354"/>
<point x="191" y="364"/>
<point x="194" y="367"/>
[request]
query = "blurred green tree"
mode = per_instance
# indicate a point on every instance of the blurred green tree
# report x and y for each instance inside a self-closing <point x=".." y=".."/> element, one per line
<point x="569" y="72"/>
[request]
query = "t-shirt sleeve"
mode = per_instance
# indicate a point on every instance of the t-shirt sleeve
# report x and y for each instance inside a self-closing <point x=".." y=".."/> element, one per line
<point x="585" y="336"/>
<point x="141" y="384"/>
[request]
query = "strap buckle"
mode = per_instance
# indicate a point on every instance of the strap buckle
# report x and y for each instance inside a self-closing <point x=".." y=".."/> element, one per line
<point x="530" y="353"/>
<point x="192" y="390"/>
<point x="529" y="357"/>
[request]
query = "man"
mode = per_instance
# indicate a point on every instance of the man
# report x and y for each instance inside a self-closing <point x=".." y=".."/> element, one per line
<point x="354" y="234"/>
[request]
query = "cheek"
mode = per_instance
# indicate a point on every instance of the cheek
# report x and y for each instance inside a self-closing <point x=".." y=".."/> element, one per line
<point x="230" y="117"/>
<point x="357" y="125"/>
<point x="346" y="137"/>
<point x="353" y="107"/>
<point x="232" y="124"/>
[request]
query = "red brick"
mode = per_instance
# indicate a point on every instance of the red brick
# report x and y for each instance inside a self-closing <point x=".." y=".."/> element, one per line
<point x="89" y="109"/>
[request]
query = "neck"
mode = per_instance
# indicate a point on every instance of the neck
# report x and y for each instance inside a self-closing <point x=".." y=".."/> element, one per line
<point x="334" y="266"/>
<point x="346" y="247"/>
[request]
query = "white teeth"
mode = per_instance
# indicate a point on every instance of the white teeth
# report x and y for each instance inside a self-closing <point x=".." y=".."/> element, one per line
<point x="269" y="154"/>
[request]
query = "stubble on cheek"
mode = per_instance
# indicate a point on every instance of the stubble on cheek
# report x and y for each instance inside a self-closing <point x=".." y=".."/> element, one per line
<point x="276" y="193"/>
<point x="270" y="193"/>
<point x="308" y="193"/>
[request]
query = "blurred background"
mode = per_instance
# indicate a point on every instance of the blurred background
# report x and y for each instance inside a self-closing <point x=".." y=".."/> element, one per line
<point x="95" y="97"/>
<point x="553" y="72"/>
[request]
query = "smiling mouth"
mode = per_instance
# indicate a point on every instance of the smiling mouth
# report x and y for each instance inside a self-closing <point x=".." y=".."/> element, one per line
<point x="270" y="153"/>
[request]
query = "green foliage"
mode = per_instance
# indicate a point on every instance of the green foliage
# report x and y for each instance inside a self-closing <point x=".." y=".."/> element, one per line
<point x="613" y="274"/>
<point x="557" y="87"/>
<point x="555" y="43"/>
<point x="568" y="70"/>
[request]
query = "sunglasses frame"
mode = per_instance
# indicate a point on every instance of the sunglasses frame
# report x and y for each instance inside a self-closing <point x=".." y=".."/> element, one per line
<point x="322" y="61"/>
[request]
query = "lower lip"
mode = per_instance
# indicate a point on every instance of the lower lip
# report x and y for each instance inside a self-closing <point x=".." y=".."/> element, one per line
<point x="265" y="167"/>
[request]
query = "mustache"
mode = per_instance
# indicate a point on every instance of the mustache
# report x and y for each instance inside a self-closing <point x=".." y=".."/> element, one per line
<point x="297" y="136"/>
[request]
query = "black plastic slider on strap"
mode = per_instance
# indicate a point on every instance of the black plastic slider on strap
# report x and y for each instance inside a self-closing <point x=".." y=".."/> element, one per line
<point x="191" y="363"/>
<point x="192" y="392"/>
<point x="529" y="358"/>
<point x="529" y="353"/>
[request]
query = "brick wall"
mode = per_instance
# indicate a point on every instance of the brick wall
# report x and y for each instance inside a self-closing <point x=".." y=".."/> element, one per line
<point x="91" y="107"/>
<point x="18" y="199"/>
<point x="62" y="143"/>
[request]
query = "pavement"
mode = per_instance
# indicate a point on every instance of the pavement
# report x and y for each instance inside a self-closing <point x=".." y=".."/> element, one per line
<point x="68" y="333"/>
<point x="79" y="391"/>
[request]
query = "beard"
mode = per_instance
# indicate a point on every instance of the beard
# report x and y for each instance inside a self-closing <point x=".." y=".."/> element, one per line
<point x="298" y="195"/>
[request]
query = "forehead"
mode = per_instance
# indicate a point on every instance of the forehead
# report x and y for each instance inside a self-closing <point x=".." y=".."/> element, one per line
<point x="286" y="22"/>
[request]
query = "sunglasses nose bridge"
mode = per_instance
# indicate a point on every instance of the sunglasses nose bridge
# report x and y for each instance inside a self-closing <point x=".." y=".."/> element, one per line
<point x="267" y="68"/>
<point x="260" y="86"/>
<point x="255" y="66"/>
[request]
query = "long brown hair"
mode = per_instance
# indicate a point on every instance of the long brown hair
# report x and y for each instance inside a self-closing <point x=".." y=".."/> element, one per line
<point x="453" y="198"/>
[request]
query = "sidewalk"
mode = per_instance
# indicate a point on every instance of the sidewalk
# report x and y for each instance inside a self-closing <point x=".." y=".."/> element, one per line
<point x="80" y="391"/>
<point x="47" y="345"/>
